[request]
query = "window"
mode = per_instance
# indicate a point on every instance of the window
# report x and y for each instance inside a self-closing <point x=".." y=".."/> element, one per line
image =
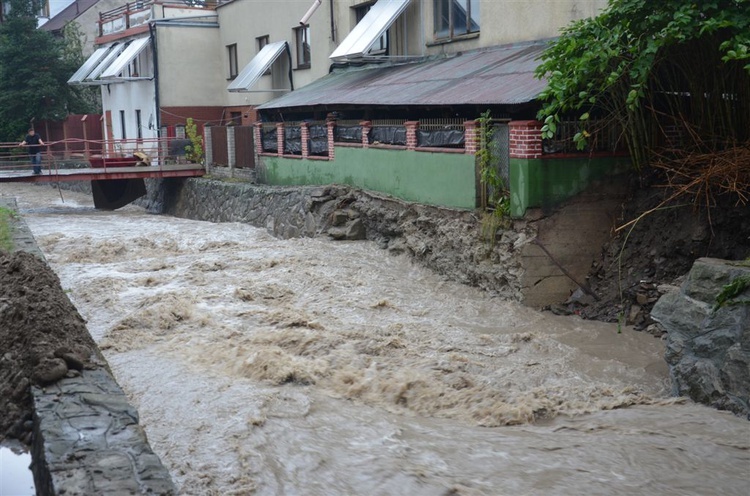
<point x="122" y="123"/>
<point x="454" y="18"/>
<point x="232" y="54"/>
<point x="302" y="37"/>
<point x="261" y="42"/>
<point x="381" y="45"/>
<point x="235" y="118"/>
<point x="138" y="130"/>
<point x="135" y="67"/>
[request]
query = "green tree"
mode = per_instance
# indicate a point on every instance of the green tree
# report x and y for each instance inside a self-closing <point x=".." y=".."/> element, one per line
<point x="642" y="63"/>
<point x="33" y="72"/>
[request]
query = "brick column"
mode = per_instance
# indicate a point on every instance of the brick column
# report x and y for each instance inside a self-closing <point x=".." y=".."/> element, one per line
<point x="280" y="138"/>
<point x="231" y="149"/>
<point x="366" y="126"/>
<point x="525" y="139"/>
<point x="471" y="137"/>
<point x="258" y="139"/>
<point x="411" y="134"/>
<point x="305" y="139"/>
<point x="209" y="146"/>
<point x="331" y="123"/>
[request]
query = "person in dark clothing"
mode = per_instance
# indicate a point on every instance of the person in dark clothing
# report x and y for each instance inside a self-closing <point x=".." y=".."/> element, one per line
<point x="35" y="143"/>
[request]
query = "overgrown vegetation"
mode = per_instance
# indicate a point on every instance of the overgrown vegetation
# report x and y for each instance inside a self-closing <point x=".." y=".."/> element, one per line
<point x="495" y="197"/>
<point x="193" y="151"/>
<point x="6" y="240"/>
<point x="674" y="75"/>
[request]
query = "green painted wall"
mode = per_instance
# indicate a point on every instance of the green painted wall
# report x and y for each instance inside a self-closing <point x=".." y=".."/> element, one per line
<point x="546" y="182"/>
<point x="445" y="179"/>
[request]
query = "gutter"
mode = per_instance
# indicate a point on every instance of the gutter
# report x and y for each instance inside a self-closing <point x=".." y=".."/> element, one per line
<point x="154" y="54"/>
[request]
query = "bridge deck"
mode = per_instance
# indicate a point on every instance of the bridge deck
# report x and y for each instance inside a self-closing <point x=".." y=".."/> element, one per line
<point x="106" y="173"/>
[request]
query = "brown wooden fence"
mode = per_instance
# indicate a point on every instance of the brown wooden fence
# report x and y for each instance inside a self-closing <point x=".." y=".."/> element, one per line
<point x="76" y="134"/>
<point x="244" y="146"/>
<point x="219" y="145"/>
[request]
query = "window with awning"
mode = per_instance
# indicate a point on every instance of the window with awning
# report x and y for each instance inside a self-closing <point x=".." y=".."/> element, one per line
<point x="369" y="30"/>
<point x="133" y="49"/>
<point x="258" y="66"/>
<point x="93" y="61"/>
<point x="93" y="77"/>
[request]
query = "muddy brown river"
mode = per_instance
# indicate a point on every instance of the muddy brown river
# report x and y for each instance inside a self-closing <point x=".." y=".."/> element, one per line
<point x="311" y="367"/>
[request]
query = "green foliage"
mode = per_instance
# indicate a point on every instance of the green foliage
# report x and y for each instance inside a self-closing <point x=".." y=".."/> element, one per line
<point x="34" y="70"/>
<point x="6" y="241"/>
<point x="640" y="55"/>
<point x="193" y="151"/>
<point x="729" y="292"/>
<point x="492" y="181"/>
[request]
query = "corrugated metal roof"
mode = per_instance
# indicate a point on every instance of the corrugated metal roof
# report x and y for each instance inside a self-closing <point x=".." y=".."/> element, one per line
<point x="496" y="76"/>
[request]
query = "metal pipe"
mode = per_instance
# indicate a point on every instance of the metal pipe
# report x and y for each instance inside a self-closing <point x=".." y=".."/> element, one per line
<point x="310" y="12"/>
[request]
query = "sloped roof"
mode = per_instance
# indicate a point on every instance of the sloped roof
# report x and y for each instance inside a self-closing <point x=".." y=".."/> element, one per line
<point x="502" y="75"/>
<point x="67" y="14"/>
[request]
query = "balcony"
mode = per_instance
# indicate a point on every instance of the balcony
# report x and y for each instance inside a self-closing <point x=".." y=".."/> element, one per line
<point x="140" y="13"/>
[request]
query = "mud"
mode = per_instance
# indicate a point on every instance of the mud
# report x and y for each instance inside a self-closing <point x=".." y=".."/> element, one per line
<point x="658" y="250"/>
<point x="43" y="338"/>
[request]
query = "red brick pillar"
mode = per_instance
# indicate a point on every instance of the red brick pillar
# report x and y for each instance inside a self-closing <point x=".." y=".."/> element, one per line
<point x="525" y="139"/>
<point x="258" y="137"/>
<point x="280" y="138"/>
<point x="331" y="123"/>
<point x="471" y="137"/>
<point x="366" y="126"/>
<point x="305" y="138"/>
<point x="411" y="134"/>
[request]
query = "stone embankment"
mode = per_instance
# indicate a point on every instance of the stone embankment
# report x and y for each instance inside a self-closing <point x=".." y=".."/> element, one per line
<point x="708" y="346"/>
<point x="57" y="392"/>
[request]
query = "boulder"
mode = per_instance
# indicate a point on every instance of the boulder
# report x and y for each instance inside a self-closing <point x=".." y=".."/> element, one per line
<point x="708" y="346"/>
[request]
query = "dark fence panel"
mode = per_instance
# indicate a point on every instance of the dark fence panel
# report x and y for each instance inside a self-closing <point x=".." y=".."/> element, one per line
<point x="244" y="146"/>
<point x="219" y="145"/>
<point x="388" y="135"/>
<point x="318" y="142"/>
<point x="292" y="140"/>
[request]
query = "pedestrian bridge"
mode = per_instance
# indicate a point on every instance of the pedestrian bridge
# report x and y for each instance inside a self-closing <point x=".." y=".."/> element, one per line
<point x="116" y="169"/>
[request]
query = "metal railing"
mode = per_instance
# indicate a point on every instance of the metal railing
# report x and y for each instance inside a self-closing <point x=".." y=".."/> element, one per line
<point x="95" y="154"/>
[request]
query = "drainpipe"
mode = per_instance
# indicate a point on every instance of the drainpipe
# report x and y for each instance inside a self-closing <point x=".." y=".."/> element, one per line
<point x="152" y="35"/>
<point x="333" y="24"/>
<point x="310" y="12"/>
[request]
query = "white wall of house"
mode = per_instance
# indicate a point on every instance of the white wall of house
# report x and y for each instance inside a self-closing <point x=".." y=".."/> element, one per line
<point x="242" y="22"/>
<point x="189" y="69"/>
<point x="127" y="97"/>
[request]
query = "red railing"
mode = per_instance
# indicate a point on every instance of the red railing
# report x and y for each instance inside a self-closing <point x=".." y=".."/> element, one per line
<point x="93" y="154"/>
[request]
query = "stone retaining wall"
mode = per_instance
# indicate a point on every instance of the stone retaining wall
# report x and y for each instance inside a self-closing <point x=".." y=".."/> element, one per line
<point x="86" y="436"/>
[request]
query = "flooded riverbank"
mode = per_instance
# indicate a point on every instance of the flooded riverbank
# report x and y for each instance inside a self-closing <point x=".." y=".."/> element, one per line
<point x="306" y="366"/>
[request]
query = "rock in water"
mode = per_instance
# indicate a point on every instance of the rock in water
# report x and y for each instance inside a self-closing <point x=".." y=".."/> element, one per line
<point x="708" y="348"/>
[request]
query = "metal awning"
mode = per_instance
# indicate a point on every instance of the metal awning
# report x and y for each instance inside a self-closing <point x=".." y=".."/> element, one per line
<point x="257" y="67"/>
<point x="89" y="65"/>
<point x="502" y="75"/>
<point x="372" y="26"/>
<point x="93" y="76"/>
<point x="134" y="48"/>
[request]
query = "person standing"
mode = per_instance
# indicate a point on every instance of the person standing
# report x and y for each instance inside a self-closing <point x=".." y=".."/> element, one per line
<point x="35" y="143"/>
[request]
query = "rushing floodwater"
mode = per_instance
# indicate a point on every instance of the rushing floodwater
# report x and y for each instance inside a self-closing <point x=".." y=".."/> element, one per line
<point x="309" y="367"/>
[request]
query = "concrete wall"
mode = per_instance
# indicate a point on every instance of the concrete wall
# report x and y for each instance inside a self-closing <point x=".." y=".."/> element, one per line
<point x="501" y="22"/>
<point x="444" y="179"/>
<point x="189" y="66"/>
<point x="545" y="182"/>
<point x="243" y="22"/>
